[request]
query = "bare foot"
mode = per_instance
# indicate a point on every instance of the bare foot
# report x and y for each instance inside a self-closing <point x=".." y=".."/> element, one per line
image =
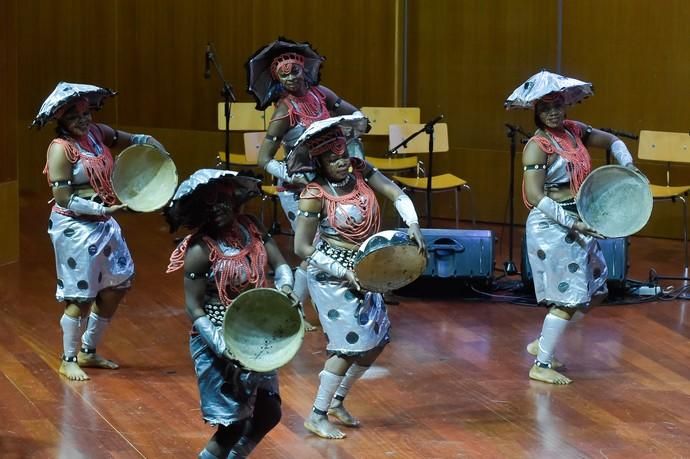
<point x="341" y="414"/>
<point x="95" y="361"/>
<point x="308" y="327"/>
<point x="548" y="375"/>
<point x="533" y="349"/>
<point x="71" y="371"/>
<point x="319" y="425"/>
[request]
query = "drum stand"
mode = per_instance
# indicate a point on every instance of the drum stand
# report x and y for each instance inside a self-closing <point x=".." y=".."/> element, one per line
<point x="429" y="129"/>
<point x="509" y="266"/>
<point x="228" y="97"/>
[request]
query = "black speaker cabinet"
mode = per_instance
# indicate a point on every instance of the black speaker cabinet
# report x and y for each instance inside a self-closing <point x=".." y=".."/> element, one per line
<point x="454" y="253"/>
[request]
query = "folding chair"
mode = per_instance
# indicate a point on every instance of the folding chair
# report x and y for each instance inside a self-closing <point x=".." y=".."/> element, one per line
<point x="243" y="117"/>
<point x="381" y="118"/>
<point x="671" y="147"/>
<point x="420" y="144"/>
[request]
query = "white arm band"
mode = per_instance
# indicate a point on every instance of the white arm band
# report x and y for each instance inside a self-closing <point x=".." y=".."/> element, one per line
<point x="326" y="263"/>
<point x="211" y="334"/>
<point x="81" y="206"/>
<point x="551" y="209"/>
<point x="283" y="276"/>
<point x="139" y="139"/>
<point x="403" y="204"/>
<point x="621" y="153"/>
<point x="277" y="169"/>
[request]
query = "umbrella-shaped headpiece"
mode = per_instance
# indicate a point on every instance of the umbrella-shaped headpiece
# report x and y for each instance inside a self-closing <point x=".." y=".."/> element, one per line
<point x="66" y="93"/>
<point x="202" y="177"/>
<point x="260" y="80"/>
<point x="545" y="82"/>
<point x="350" y="127"/>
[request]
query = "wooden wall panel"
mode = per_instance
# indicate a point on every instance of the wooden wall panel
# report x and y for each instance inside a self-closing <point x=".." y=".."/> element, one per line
<point x="9" y="196"/>
<point x="161" y="62"/>
<point x="465" y="58"/>
<point x="637" y="55"/>
<point x="152" y="52"/>
<point x="69" y="40"/>
<point x="9" y="222"/>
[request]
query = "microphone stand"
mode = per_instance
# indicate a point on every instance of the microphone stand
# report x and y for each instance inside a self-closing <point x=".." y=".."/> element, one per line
<point x="429" y="129"/>
<point x="228" y="97"/>
<point x="509" y="266"/>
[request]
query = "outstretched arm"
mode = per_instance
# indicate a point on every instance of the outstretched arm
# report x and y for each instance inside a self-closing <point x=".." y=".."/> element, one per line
<point x="599" y="139"/>
<point x="403" y="204"/>
<point x="114" y="138"/>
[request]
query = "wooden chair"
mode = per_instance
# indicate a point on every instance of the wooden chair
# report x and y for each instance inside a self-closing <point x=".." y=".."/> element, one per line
<point x="420" y="144"/>
<point x="243" y="117"/>
<point x="252" y="144"/>
<point x="670" y="147"/>
<point x="381" y="118"/>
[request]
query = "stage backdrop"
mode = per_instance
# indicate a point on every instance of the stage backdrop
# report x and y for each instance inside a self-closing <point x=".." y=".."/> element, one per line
<point x="463" y="59"/>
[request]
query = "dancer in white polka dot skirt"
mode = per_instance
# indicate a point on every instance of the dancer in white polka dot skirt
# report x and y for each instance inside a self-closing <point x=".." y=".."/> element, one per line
<point x="93" y="264"/>
<point x="337" y="212"/>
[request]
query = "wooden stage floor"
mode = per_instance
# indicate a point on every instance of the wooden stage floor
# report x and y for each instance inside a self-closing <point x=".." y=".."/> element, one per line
<point x="452" y="384"/>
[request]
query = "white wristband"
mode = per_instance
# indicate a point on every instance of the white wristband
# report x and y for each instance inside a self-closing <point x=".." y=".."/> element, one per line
<point x="283" y="276"/>
<point x="211" y="334"/>
<point x="277" y="169"/>
<point x="326" y="263"/>
<point x="621" y="153"/>
<point x="551" y="209"/>
<point x="403" y="204"/>
<point x="140" y="139"/>
<point x="81" y="206"/>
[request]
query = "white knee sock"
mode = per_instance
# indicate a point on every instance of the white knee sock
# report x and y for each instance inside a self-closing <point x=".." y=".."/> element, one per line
<point x="206" y="454"/>
<point x="94" y="331"/>
<point x="71" y="329"/>
<point x="353" y="374"/>
<point x="300" y="289"/>
<point x="329" y="384"/>
<point x="550" y="334"/>
<point x="242" y="448"/>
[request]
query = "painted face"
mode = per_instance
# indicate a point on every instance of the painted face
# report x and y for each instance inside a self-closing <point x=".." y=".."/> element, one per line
<point x="223" y="211"/>
<point x="292" y="78"/>
<point x="76" y="120"/>
<point x="335" y="167"/>
<point x="551" y="113"/>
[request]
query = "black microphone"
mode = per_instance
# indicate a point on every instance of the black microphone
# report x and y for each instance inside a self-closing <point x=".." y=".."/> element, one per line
<point x="209" y="58"/>
<point x="432" y="122"/>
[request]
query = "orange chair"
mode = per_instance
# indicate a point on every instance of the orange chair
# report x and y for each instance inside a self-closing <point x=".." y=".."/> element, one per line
<point x="243" y="117"/>
<point x="381" y="118"/>
<point x="670" y="147"/>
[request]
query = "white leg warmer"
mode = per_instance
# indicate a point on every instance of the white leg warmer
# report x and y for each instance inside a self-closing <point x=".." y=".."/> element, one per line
<point x="550" y="334"/>
<point x="301" y="289"/>
<point x="242" y="448"/>
<point x="206" y="454"/>
<point x="71" y="329"/>
<point x="94" y="331"/>
<point x="329" y="384"/>
<point x="353" y="374"/>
